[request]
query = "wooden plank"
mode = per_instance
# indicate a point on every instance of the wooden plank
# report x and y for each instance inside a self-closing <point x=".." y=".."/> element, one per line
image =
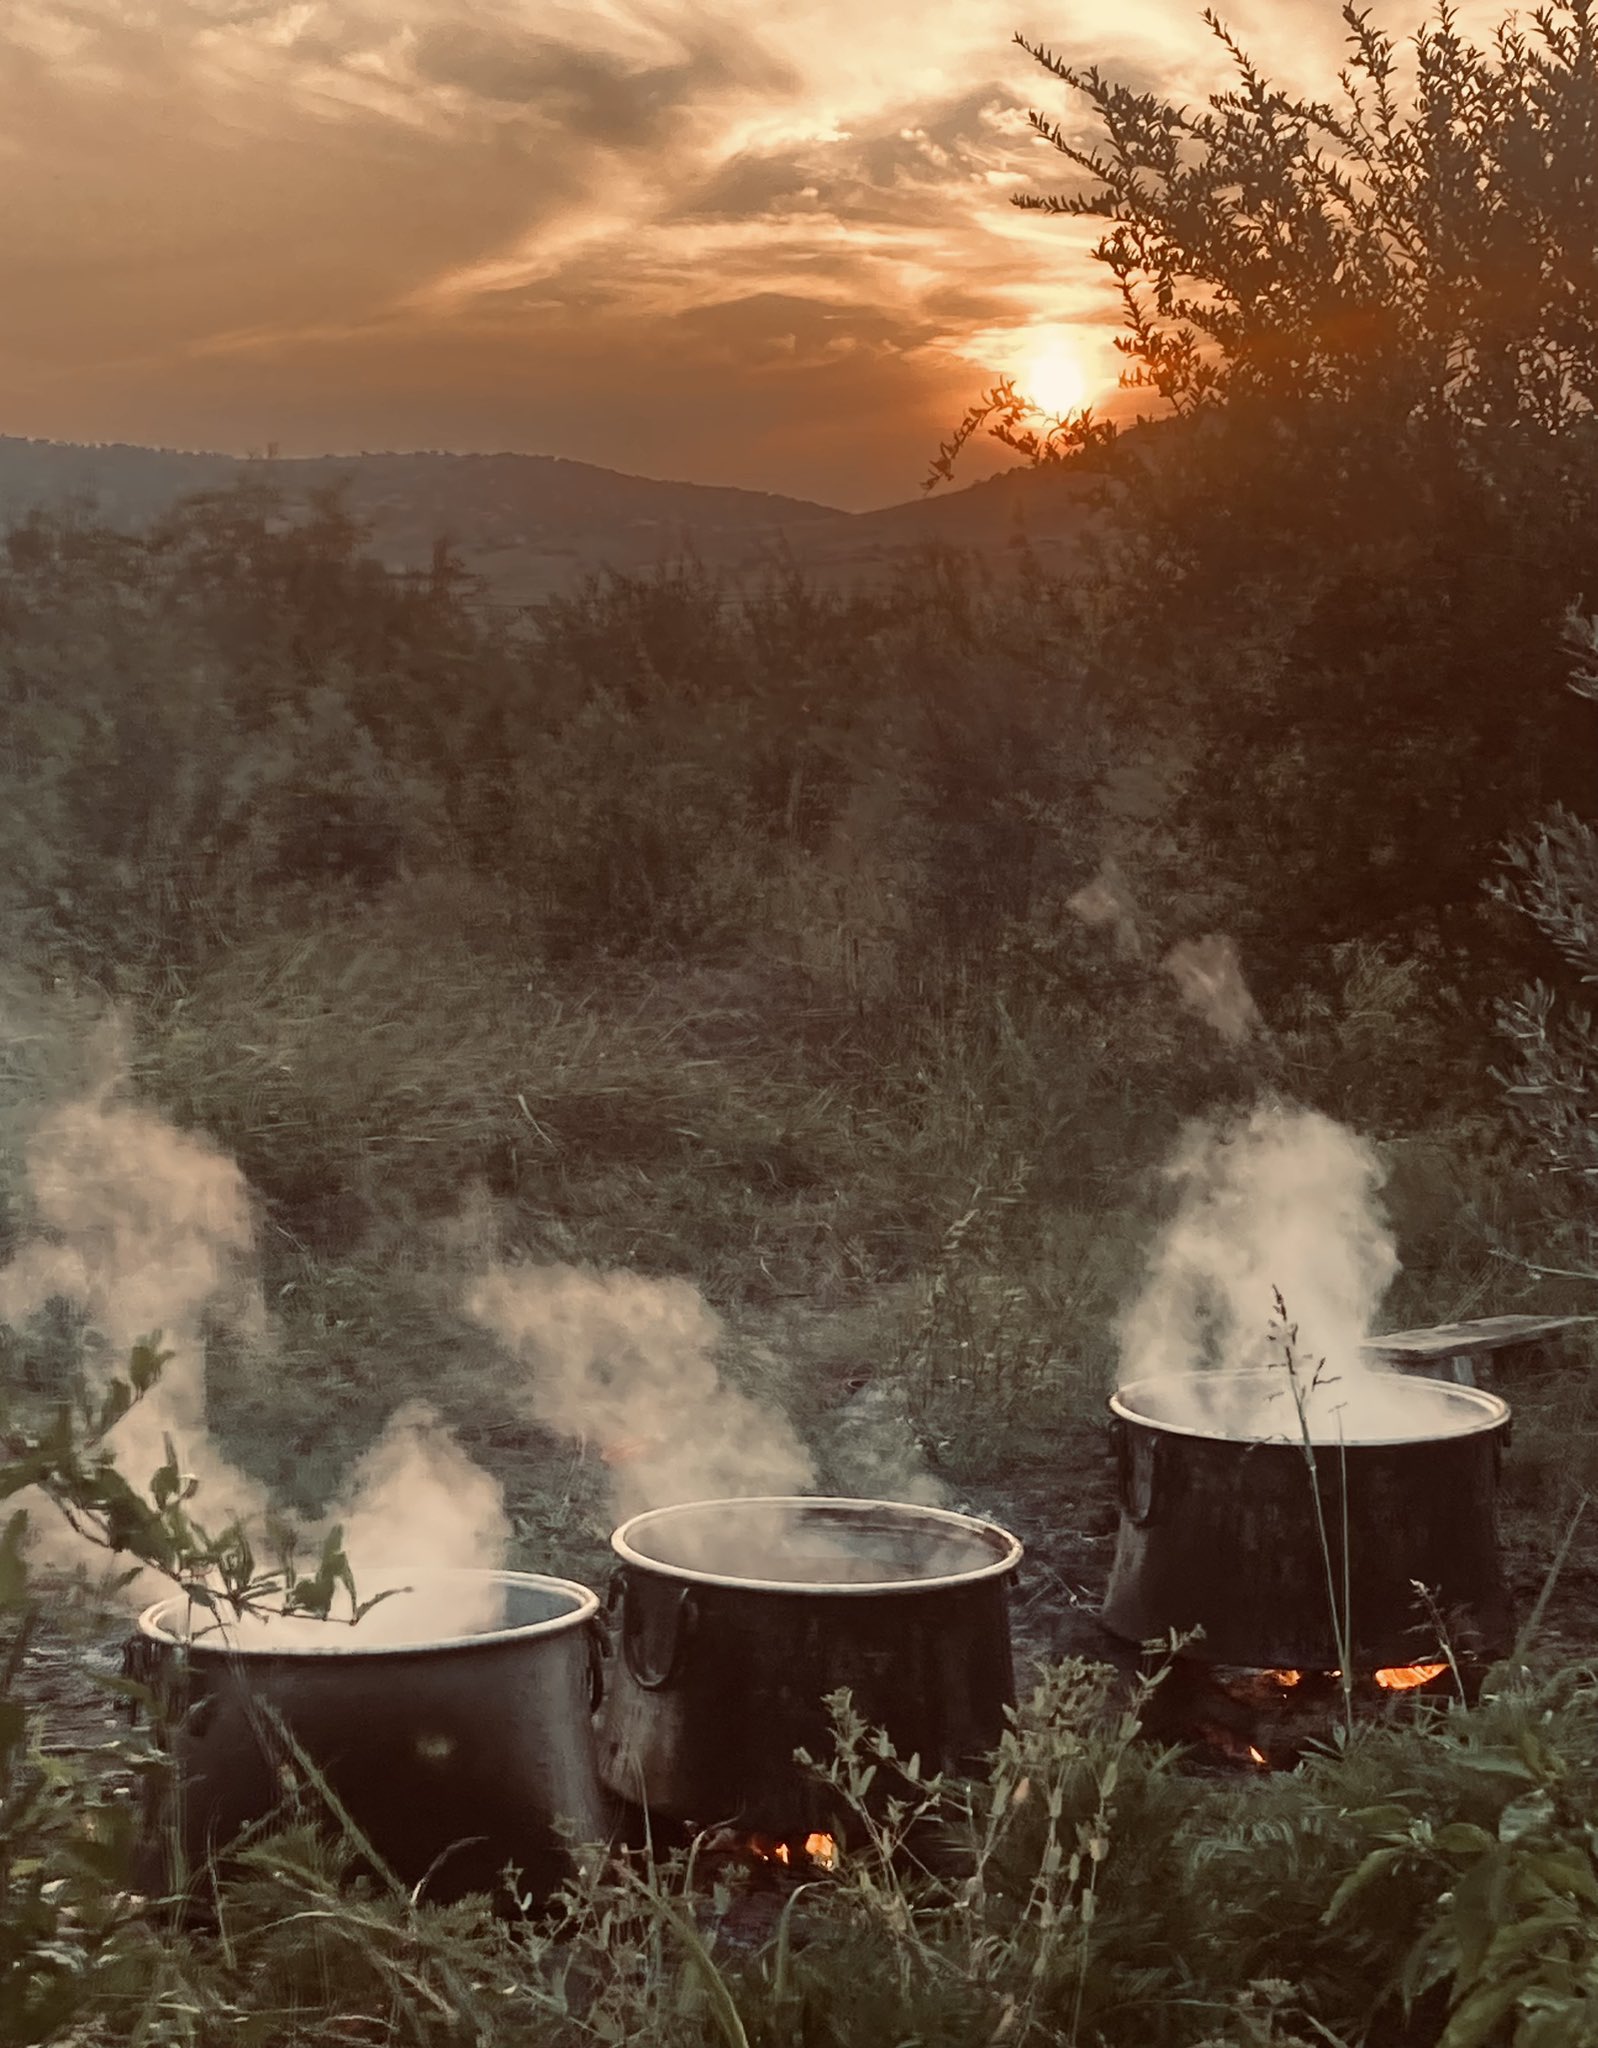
<point x="1476" y="1339"/>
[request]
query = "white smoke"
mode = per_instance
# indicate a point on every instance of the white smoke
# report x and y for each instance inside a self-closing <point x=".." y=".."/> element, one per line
<point x="1279" y="1253"/>
<point x="872" y="1449"/>
<point x="628" y="1365"/>
<point x="141" y="1228"/>
<point x="416" y="1498"/>
<point x="414" y="1506"/>
<point x="1278" y="1201"/>
<point x="1108" y="901"/>
<point x="144" y="1228"/>
<point x="1209" y="979"/>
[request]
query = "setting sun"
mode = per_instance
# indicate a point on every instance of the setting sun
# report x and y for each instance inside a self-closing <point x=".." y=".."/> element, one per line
<point x="1050" y="373"/>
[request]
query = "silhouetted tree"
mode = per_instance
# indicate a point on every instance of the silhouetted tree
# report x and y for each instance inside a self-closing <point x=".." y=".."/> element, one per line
<point x="1342" y="558"/>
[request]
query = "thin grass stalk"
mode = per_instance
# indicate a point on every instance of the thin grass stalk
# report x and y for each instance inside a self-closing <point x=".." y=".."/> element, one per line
<point x="665" y="1912"/>
<point x="1346" y="1644"/>
<point x="1434" y="1614"/>
<point x="1533" y="1620"/>
<point x="1341" y="1614"/>
<point x="1340" y="1608"/>
<point x="460" y="2000"/>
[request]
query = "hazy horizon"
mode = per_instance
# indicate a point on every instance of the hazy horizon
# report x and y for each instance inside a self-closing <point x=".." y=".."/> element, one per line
<point x="1000" y="465"/>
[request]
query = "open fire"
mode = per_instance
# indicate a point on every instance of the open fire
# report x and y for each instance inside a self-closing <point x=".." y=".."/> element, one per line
<point x="815" y="1852"/>
<point x="1392" y="1678"/>
<point x="1405" y="1677"/>
<point x="1265" y="1719"/>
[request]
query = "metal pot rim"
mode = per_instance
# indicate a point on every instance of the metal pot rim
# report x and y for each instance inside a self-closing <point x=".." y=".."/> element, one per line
<point x="342" y="1641"/>
<point x="1492" y="1410"/>
<point x="1011" y="1552"/>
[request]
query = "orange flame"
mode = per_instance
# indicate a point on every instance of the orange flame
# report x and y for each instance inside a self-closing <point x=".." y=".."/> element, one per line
<point x="1404" y="1677"/>
<point x="821" y="1850"/>
<point x="1257" y="1756"/>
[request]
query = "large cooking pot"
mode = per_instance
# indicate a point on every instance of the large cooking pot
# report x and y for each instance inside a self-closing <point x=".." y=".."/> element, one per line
<point x="736" y="1619"/>
<point x="1219" y="1532"/>
<point x="455" y="1752"/>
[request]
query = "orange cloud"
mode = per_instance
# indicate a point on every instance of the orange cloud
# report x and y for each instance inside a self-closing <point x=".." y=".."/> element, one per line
<point x="656" y="233"/>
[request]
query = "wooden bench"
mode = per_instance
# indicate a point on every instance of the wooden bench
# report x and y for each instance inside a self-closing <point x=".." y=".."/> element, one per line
<point x="1479" y="1353"/>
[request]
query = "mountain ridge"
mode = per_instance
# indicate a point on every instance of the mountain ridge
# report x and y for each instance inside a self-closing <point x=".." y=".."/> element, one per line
<point x="532" y="526"/>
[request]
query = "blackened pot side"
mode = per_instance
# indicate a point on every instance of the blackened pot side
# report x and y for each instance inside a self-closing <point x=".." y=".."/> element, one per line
<point x="737" y="1617"/>
<point x="454" y="1757"/>
<point x="1218" y="1531"/>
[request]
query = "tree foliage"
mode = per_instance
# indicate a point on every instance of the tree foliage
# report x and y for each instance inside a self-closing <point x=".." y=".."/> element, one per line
<point x="1551" y="881"/>
<point x="1421" y="244"/>
<point x="1425" y="246"/>
<point x="1342" y="556"/>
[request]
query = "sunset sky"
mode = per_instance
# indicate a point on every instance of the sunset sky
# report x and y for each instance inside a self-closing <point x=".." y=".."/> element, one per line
<point x="766" y="245"/>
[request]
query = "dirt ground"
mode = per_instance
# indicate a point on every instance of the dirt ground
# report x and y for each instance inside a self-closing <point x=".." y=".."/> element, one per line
<point x="72" y="1650"/>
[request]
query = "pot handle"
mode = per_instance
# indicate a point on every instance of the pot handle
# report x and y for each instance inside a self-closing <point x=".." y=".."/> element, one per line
<point x="1137" y="1472"/>
<point x="652" y="1678"/>
<point x="596" y="1665"/>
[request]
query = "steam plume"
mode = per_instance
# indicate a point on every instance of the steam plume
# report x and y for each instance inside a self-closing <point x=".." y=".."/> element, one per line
<point x="140" y="1227"/>
<point x="874" y="1452"/>
<point x="1282" y="1200"/>
<point x="1108" y="900"/>
<point x="143" y="1227"/>
<point x="1209" y="979"/>
<point x="416" y="1498"/>
<point x="414" y="1504"/>
<point x="628" y="1364"/>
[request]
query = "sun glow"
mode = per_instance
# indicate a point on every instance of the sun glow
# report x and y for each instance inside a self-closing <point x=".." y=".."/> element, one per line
<point x="1050" y="373"/>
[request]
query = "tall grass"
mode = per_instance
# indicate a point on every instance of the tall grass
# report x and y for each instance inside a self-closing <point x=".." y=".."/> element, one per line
<point x="1398" y="1889"/>
<point x="732" y="941"/>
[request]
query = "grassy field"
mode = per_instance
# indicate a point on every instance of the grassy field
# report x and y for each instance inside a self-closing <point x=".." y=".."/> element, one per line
<point x="730" y="951"/>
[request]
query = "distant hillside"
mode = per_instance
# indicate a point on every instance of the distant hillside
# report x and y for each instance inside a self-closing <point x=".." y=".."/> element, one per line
<point x="535" y="524"/>
<point x="1044" y="510"/>
<point x="124" y="485"/>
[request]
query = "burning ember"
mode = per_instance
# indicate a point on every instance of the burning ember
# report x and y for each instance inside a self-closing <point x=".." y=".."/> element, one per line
<point x="817" y="1851"/>
<point x="1220" y="1742"/>
<point x="782" y="1852"/>
<point x="1392" y="1678"/>
<point x="1265" y="1718"/>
